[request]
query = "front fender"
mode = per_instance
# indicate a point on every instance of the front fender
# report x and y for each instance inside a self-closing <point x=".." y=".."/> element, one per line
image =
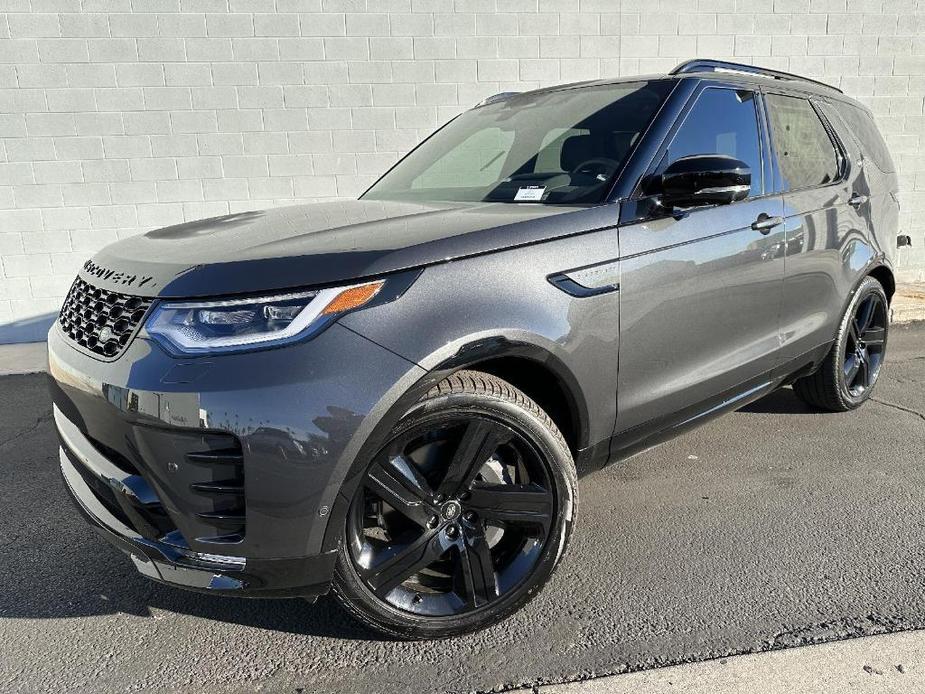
<point x="464" y="312"/>
<point x="502" y="304"/>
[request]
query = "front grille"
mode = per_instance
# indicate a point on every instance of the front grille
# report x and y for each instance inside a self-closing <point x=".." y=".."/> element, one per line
<point x="101" y="321"/>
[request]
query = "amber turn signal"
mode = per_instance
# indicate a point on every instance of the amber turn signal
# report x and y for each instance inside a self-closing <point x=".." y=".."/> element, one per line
<point x="353" y="297"/>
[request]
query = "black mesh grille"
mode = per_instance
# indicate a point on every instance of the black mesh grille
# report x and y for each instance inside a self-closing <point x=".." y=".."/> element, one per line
<point x="99" y="320"/>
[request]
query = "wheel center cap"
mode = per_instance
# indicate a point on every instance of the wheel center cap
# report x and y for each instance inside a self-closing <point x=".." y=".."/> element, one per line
<point x="450" y="510"/>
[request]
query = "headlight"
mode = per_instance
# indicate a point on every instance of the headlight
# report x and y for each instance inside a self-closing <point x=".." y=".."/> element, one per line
<point x="197" y="327"/>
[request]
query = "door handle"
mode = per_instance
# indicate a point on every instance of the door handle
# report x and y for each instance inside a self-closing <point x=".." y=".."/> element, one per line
<point x="857" y="200"/>
<point x="766" y="222"/>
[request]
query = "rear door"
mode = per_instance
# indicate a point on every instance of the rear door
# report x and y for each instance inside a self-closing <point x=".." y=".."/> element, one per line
<point x="824" y="225"/>
<point x="700" y="291"/>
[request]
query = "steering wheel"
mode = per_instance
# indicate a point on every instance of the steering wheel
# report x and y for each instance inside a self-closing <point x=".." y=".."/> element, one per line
<point x="601" y="168"/>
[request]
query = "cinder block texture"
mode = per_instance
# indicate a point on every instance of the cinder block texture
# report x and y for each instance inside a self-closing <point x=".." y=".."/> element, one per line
<point x="153" y="113"/>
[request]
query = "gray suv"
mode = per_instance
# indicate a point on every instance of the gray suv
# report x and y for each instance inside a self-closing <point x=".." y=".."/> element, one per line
<point x="393" y="397"/>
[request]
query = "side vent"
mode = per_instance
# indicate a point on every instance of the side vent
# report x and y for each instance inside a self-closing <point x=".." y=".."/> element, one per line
<point x="222" y="487"/>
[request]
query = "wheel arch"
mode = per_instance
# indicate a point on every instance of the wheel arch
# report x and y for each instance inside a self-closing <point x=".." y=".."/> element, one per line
<point x="547" y="386"/>
<point x="532" y="364"/>
<point x="880" y="272"/>
<point x="884" y="276"/>
<point x="529" y="366"/>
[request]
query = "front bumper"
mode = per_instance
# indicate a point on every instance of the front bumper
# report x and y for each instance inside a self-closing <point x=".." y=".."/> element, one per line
<point x="173" y="562"/>
<point x="218" y="474"/>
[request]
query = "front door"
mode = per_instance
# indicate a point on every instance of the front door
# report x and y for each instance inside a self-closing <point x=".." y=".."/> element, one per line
<point x="700" y="291"/>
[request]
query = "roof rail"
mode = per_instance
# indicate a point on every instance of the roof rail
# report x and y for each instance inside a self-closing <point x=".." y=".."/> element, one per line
<point x="707" y="65"/>
<point x="494" y="98"/>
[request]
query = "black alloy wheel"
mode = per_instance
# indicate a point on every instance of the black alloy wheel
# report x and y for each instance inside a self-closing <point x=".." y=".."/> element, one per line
<point x="865" y="346"/>
<point x="450" y="517"/>
<point x="848" y="374"/>
<point x="460" y="516"/>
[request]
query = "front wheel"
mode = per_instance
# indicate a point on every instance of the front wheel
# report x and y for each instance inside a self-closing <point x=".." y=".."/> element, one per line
<point x="461" y="517"/>
<point x="849" y="372"/>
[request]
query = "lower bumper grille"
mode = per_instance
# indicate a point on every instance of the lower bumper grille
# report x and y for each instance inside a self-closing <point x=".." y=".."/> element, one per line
<point x="205" y="492"/>
<point x="224" y="490"/>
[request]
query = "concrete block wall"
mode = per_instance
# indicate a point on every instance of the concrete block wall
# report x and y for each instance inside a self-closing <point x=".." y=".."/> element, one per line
<point x="118" y="116"/>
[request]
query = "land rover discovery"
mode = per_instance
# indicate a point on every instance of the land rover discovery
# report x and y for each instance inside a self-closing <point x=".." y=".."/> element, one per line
<point x="393" y="396"/>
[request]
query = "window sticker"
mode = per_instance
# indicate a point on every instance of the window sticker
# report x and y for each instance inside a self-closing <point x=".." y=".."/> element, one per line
<point x="530" y="193"/>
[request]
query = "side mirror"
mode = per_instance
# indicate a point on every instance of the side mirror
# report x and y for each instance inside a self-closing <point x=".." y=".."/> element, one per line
<point x="704" y="179"/>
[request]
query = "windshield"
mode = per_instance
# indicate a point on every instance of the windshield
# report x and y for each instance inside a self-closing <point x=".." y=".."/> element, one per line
<point x="559" y="147"/>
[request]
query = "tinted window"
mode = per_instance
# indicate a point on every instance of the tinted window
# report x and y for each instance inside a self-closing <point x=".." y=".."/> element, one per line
<point x="555" y="147"/>
<point x="805" y="153"/>
<point x="722" y="121"/>
<point x="865" y="131"/>
<point x="474" y="162"/>
<point x="549" y="157"/>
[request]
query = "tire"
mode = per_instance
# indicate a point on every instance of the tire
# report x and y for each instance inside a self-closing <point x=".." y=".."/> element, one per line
<point x="835" y="386"/>
<point x="529" y="481"/>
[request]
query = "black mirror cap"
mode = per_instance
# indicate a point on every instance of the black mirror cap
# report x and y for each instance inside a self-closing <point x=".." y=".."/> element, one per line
<point x="903" y="240"/>
<point x="705" y="179"/>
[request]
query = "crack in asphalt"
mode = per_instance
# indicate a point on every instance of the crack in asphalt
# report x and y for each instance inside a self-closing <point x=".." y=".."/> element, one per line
<point x="901" y="408"/>
<point x="28" y="430"/>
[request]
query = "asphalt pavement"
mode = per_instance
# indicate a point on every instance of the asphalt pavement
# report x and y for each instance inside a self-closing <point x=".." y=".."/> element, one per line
<point x="771" y="527"/>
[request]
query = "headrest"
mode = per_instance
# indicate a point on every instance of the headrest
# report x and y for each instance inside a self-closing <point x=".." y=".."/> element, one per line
<point x="578" y="149"/>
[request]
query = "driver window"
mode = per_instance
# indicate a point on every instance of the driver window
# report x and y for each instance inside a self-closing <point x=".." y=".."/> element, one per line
<point x="475" y="162"/>
<point x="722" y="121"/>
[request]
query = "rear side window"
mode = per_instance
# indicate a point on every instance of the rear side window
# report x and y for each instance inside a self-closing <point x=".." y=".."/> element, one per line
<point x="722" y="121"/>
<point x="805" y="153"/>
<point x="865" y="131"/>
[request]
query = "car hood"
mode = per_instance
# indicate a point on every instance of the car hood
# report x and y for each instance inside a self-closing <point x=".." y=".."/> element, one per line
<point x="323" y="243"/>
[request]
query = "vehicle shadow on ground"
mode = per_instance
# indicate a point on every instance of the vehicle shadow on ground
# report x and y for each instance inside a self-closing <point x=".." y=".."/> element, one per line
<point x="324" y="618"/>
<point x="99" y="580"/>
<point x="782" y="401"/>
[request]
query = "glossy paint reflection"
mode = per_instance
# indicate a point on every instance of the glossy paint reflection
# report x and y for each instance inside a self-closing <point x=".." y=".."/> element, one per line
<point x="829" y="245"/>
<point x="700" y="295"/>
<point x="292" y="453"/>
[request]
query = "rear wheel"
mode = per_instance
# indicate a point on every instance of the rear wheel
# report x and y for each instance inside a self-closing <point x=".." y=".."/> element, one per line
<point x="461" y="517"/>
<point x="847" y="376"/>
